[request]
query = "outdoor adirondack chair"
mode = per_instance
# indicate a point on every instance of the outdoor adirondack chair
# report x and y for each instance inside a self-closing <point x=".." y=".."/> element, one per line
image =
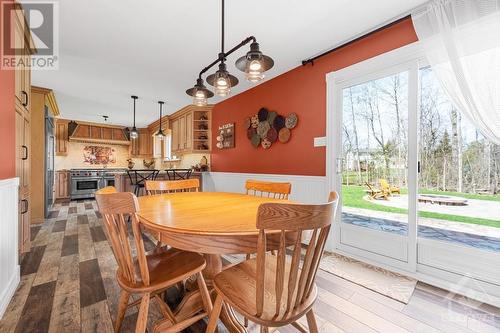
<point x="376" y="193"/>
<point x="385" y="186"/>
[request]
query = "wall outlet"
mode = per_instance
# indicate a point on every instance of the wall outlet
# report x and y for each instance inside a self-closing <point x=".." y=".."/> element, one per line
<point x="320" y="141"/>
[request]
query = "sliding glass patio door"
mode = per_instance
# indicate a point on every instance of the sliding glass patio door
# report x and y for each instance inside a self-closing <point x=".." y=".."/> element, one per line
<point x="371" y="165"/>
<point x="419" y="184"/>
<point x="458" y="200"/>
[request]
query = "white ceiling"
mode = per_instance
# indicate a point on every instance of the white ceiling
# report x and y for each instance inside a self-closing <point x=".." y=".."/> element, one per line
<point x="112" y="49"/>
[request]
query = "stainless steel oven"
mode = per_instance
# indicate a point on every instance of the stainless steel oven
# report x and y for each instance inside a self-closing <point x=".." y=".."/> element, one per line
<point x="84" y="183"/>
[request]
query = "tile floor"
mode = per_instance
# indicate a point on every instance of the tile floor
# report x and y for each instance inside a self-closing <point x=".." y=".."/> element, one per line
<point x="68" y="285"/>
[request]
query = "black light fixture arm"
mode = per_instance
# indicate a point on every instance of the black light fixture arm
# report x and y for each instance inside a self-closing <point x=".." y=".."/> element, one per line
<point x="224" y="55"/>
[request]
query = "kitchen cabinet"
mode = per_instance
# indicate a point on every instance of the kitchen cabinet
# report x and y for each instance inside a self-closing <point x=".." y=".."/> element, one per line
<point x="62" y="190"/>
<point x="22" y="91"/>
<point x="22" y="40"/>
<point x="157" y="147"/>
<point x="24" y="223"/>
<point x="61" y="137"/>
<point x="143" y="145"/>
<point x="98" y="133"/>
<point x="191" y="130"/>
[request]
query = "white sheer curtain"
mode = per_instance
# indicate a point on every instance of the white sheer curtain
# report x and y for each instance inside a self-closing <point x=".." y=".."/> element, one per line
<point x="461" y="40"/>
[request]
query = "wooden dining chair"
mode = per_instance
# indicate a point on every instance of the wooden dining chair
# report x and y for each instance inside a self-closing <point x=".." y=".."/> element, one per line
<point x="274" y="291"/>
<point x="274" y="190"/>
<point x="268" y="189"/>
<point x="147" y="275"/>
<point x="172" y="186"/>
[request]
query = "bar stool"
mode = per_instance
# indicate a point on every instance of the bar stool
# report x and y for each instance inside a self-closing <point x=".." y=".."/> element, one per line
<point x="178" y="174"/>
<point x="138" y="178"/>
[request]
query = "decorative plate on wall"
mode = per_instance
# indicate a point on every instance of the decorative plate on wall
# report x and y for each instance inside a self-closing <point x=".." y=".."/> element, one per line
<point x="268" y="127"/>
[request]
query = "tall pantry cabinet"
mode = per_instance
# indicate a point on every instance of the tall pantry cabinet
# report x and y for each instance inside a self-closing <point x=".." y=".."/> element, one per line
<point x="22" y="91"/>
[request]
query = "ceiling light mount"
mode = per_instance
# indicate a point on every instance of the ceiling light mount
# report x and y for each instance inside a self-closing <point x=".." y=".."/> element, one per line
<point x="253" y="64"/>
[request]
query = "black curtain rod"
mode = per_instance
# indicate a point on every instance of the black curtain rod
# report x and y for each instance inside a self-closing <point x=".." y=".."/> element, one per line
<point x="311" y="60"/>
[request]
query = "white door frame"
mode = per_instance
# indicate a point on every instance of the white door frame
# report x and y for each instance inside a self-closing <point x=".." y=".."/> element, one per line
<point x="391" y="249"/>
<point x="428" y="260"/>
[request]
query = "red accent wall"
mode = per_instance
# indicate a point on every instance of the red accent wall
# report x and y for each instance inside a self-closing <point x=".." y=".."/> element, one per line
<point x="7" y="123"/>
<point x="303" y="91"/>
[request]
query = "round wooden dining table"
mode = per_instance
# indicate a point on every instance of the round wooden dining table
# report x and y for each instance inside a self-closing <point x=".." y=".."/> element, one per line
<point x="211" y="223"/>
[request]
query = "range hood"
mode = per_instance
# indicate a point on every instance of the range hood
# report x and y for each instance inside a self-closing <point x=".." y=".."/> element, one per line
<point x="97" y="133"/>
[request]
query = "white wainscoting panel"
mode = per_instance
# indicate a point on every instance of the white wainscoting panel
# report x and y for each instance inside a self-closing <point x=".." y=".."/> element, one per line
<point x="307" y="189"/>
<point x="9" y="263"/>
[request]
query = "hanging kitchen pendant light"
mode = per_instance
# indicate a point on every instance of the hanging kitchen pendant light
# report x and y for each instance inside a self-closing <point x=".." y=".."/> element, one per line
<point x="160" y="135"/>
<point x="254" y="63"/>
<point x="222" y="80"/>
<point x="200" y="93"/>
<point x="134" y="134"/>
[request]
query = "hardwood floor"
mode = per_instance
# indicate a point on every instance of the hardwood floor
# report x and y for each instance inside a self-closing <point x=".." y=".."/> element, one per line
<point x="68" y="285"/>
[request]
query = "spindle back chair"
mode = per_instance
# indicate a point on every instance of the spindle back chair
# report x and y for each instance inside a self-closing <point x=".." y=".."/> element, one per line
<point x="274" y="291"/>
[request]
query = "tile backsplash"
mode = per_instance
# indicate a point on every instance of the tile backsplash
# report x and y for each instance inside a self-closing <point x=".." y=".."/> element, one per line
<point x="75" y="158"/>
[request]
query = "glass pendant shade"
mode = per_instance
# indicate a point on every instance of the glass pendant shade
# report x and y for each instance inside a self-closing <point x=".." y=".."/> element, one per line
<point x="200" y="99"/>
<point x="200" y="93"/>
<point x="222" y="80"/>
<point x="254" y="64"/>
<point x="133" y="133"/>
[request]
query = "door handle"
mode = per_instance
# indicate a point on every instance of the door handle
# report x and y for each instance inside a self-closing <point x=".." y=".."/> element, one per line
<point x="25" y="103"/>
<point x="26" y="205"/>
<point x="25" y="153"/>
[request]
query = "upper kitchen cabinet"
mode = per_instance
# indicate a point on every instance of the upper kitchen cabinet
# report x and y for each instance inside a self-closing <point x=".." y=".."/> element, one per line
<point x="24" y="42"/>
<point x="62" y="137"/>
<point x="191" y="130"/>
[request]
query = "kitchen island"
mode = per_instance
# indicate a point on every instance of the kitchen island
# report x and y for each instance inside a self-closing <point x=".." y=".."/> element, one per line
<point x="122" y="180"/>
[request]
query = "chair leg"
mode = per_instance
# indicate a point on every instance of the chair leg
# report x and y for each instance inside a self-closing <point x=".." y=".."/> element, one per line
<point x="122" y="308"/>
<point x="205" y="296"/>
<point x="245" y="320"/>
<point x="311" y="322"/>
<point x="264" y="329"/>
<point x="142" y="318"/>
<point x="214" y="316"/>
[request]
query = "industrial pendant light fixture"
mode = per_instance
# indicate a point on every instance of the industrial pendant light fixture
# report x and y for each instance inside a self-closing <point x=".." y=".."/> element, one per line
<point x="253" y="64"/>
<point x="133" y="133"/>
<point x="200" y="93"/>
<point x="160" y="135"/>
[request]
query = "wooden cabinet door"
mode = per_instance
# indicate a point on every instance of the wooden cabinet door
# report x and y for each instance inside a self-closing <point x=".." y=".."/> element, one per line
<point x="19" y="45"/>
<point x="157" y="147"/>
<point x="26" y="158"/>
<point x="182" y="133"/>
<point x="175" y="135"/>
<point x="189" y="131"/>
<point x="19" y="144"/>
<point x="22" y="150"/>
<point x="61" y="138"/>
<point x="24" y="224"/>
<point x="145" y="143"/>
<point x="62" y="185"/>
<point x="26" y="72"/>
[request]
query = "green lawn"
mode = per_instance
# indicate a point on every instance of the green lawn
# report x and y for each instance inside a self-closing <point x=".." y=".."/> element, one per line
<point x="352" y="196"/>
